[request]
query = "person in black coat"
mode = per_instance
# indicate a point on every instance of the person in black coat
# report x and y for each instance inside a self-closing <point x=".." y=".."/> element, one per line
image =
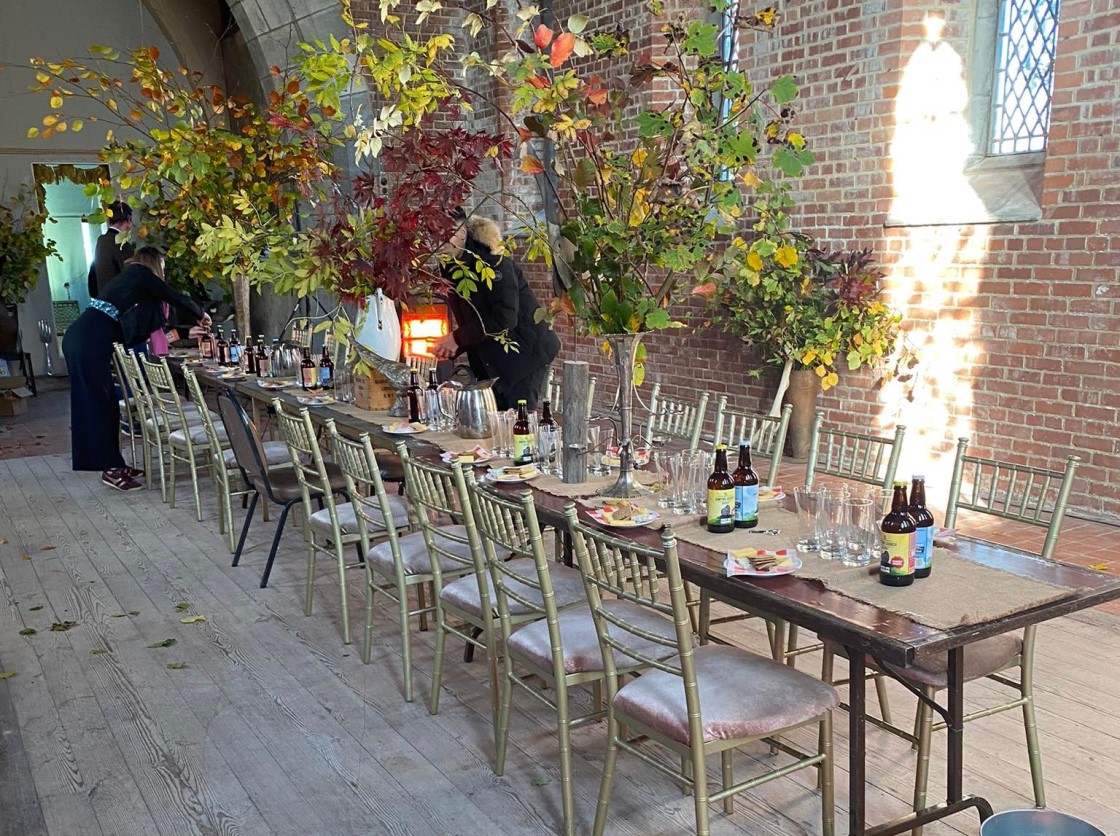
<point x="128" y="309"/>
<point x="108" y="255"/>
<point x="508" y="305"/>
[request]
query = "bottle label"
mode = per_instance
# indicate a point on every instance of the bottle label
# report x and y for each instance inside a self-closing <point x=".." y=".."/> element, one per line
<point x="523" y="448"/>
<point x="898" y="554"/>
<point x="923" y="547"/>
<point x="234" y="353"/>
<point x="746" y="503"/>
<point x="721" y="506"/>
<point x="324" y="375"/>
<point x="310" y="378"/>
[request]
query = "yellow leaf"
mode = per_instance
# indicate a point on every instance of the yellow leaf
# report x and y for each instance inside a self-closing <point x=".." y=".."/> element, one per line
<point x="754" y="261"/>
<point x="50" y="119"/>
<point x="830" y="380"/>
<point x="786" y="256"/>
<point x="31" y="134"/>
<point x="531" y="165"/>
<point x="1099" y="567"/>
<point x="750" y="179"/>
<point x="192" y="619"/>
<point x="638" y="158"/>
<point x="809" y="356"/>
<point x="56" y="101"/>
<point x="796" y="140"/>
<point x="42" y="78"/>
<point x="821" y="371"/>
<point x="60" y="127"/>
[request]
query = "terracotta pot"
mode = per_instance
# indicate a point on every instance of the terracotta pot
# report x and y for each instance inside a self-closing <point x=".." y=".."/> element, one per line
<point x="804" y="387"/>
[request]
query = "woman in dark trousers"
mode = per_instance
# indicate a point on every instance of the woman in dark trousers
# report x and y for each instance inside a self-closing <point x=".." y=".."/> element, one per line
<point x="134" y="298"/>
<point x="507" y="305"/>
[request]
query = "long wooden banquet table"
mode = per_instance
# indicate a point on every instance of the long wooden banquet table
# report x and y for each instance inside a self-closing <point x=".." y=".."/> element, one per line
<point x="869" y="633"/>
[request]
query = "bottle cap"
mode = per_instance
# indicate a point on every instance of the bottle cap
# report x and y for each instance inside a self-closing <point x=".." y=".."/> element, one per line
<point x="745" y="442"/>
<point x="721" y="447"/>
<point x="522" y="401"/>
<point x="917" y="477"/>
<point x="899" y="484"/>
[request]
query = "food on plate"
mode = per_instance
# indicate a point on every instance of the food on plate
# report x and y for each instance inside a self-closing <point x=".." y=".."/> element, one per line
<point x="769" y="491"/>
<point x="520" y="471"/>
<point x="762" y="560"/>
<point x="465" y="458"/>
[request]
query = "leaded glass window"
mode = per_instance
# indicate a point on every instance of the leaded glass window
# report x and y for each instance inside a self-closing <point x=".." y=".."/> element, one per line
<point x="1024" y="75"/>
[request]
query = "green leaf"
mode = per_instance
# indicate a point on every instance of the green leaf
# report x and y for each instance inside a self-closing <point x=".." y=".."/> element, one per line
<point x="657" y="319"/>
<point x="182" y="606"/>
<point x="97" y="651"/>
<point x="192" y="619"/>
<point x="701" y="39"/>
<point x="8" y="674"/>
<point x="577" y="23"/>
<point x="176" y="666"/>
<point x="164" y="643"/>
<point x="788" y="162"/>
<point x="28" y="631"/>
<point x="784" y="89"/>
<point x="63" y="626"/>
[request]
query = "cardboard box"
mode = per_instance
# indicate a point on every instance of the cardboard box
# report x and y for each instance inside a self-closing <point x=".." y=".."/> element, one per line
<point x="373" y="392"/>
<point x="15" y="382"/>
<point x="13" y="402"/>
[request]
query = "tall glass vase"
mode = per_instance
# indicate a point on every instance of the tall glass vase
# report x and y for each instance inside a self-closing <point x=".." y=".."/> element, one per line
<point x="624" y="347"/>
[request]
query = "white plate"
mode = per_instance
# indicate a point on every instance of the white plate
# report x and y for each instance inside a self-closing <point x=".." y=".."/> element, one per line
<point x="449" y="457"/>
<point x="741" y="567"/>
<point x="499" y="475"/>
<point x="645" y="518"/>
<point x="411" y="429"/>
<point x="770" y="497"/>
<point x="232" y="377"/>
<point x="318" y="400"/>
<point x="276" y="386"/>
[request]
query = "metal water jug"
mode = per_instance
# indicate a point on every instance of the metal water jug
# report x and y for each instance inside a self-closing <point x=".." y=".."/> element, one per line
<point x="473" y="409"/>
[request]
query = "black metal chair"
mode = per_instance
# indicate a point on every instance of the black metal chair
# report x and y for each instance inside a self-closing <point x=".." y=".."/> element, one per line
<point x="279" y="486"/>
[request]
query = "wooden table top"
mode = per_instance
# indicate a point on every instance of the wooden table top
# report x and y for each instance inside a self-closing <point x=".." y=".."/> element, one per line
<point x="806" y="602"/>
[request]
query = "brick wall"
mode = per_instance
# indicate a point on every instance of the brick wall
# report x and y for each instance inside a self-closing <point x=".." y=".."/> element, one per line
<point x="1016" y="322"/>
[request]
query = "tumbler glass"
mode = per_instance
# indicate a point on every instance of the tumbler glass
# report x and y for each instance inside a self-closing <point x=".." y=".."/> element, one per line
<point x="807" y="500"/>
<point x="448" y="400"/>
<point x="548" y="438"/>
<point x="432" y="416"/>
<point x="861" y="537"/>
<point x="670" y="494"/>
<point x="595" y="452"/>
<point x="831" y="518"/>
<point x="504" y="438"/>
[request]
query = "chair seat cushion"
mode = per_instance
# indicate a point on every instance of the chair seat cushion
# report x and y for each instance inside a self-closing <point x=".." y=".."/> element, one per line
<point x="285" y="482"/>
<point x="567" y="586"/>
<point x="348" y="521"/>
<point x="414" y="555"/>
<point x="198" y="435"/>
<point x="193" y="420"/>
<point x="741" y="695"/>
<point x="581" y="644"/>
<point x="275" y="452"/>
<point x="981" y="658"/>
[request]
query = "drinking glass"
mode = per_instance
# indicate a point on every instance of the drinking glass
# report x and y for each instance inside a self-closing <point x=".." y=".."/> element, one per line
<point x="861" y="536"/>
<point x="547" y="443"/>
<point x="504" y="440"/>
<point x="807" y="500"/>
<point x="699" y="471"/>
<point x="594" y="452"/>
<point x="432" y="416"/>
<point x="830" y="527"/>
<point x="448" y="400"/>
<point x="670" y="497"/>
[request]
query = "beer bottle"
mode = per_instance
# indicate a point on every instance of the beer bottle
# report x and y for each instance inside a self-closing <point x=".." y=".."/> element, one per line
<point x="746" y="489"/>
<point x="250" y="357"/>
<point x="308" y="374"/>
<point x="234" y="349"/>
<point x="522" y="437"/>
<point x="546" y="415"/>
<point x="721" y="496"/>
<point x="414" y="397"/>
<point x="264" y="361"/>
<point x="206" y="346"/>
<point x="433" y="384"/>
<point x="923" y="537"/>
<point x="326" y="369"/>
<point x="223" y="348"/>
<point x="896" y="567"/>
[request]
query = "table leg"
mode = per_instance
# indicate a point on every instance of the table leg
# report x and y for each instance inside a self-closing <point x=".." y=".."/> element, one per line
<point x="955" y="778"/>
<point x="857" y="741"/>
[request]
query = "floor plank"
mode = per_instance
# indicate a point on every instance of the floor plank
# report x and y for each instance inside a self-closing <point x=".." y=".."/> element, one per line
<point x="275" y="726"/>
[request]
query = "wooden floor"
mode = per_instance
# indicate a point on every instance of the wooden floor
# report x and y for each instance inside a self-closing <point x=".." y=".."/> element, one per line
<point x="259" y="720"/>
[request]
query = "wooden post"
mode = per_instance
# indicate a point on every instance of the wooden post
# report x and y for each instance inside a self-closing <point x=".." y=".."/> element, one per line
<point x="576" y="379"/>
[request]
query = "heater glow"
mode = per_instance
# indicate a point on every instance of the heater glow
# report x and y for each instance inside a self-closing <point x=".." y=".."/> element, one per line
<point x="421" y="328"/>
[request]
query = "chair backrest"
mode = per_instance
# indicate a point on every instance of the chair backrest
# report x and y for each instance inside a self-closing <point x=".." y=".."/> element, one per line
<point x="137" y="384"/>
<point x="618" y="569"/>
<point x="870" y="459"/>
<point x="554" y="391"/>
<point x="767" y="433"/>
<point x="1012" y="491"/>
<point x="198" y="397"/>
<point x="246" y="443"/>
<point x="675" y="418"/>
<point x="509" y="527"/>
<point x="298" y="432"/>
<point x="364" y="484"/>
<point x="437" y="493"/>
<point x="169" y="405"/>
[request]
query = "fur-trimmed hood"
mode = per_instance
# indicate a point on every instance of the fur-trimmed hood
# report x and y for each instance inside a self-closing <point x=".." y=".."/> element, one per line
<point x="486" y="232"/>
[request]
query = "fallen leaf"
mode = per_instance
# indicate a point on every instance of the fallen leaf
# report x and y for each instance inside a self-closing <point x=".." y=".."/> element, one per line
<point x="63" y="626"/>
<point x="35" y="608"/>
<point x="8" y="674"/>
<point x="97" y="651"/>
<point x="176" y="666"/>
<point x="3" y="542"/>
<point x="28" y="631"/>
<point x="118" y="615"/>
<point x="1099" y="567"/>
<point x="164" y="643"/>
<point x="540" y="782"/>
<point x="192" y="619"/>
<point x="134" y="612"/>
<point x="27" y="557"/>
<point x="47" y="549"/>
<point x="182" y="606"/>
